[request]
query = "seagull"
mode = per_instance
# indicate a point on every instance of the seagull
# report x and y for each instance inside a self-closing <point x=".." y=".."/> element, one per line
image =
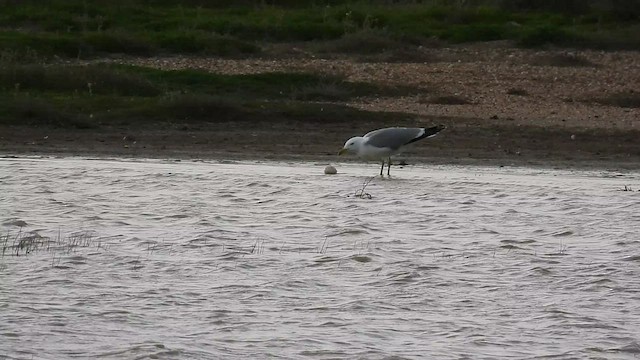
<point x="381" y="144"/>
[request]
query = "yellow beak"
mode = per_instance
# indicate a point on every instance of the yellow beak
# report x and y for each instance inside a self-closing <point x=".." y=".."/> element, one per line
<point x="342" y="151"/>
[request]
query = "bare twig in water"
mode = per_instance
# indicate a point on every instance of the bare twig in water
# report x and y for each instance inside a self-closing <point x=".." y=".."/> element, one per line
<point x="361" y="193"/>
<point x="562" y="249"/>
<point x="324" y="246"/>
<point x="136" y="264"/>
<point x="258" y="247"/>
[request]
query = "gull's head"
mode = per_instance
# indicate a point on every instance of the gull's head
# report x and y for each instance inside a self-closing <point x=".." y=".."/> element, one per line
<point x="352" y="145"/>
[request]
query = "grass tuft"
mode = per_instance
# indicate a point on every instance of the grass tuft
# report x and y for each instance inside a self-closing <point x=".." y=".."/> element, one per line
<point x="94" y="79"/>
<point x="562" y="60"/>
<point x="97" y="44"/>
<point x="544" y="35"/>
<point x="416" y="55"/>
<point x="517" y="92"/>
<point x="198" y="107"/>
<point x="626" y="99"/>
<point x="27" y="110"/>
<point x="24" y="243"/>
<point x="365" y="42"/>
<point x="328" y="91"/>
<point x="203" y="43"/>
<point x="446" y="100"/>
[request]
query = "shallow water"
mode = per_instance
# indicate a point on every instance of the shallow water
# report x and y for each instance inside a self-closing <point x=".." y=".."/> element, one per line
<point x="204" y="260"/>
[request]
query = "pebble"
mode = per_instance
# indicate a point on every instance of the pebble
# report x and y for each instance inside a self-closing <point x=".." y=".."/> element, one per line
<point x="330" y="170"/>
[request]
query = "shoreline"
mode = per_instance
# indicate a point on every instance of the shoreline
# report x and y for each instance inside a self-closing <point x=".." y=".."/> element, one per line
<point x="566" y="165"/>
<point x="116" y="145"/>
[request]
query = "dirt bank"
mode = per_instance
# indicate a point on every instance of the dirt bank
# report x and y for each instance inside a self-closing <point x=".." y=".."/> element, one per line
<point x="501" y="106"/>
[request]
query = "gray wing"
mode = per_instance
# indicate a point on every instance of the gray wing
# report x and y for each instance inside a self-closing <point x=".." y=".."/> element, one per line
<point x="393" y="138"/>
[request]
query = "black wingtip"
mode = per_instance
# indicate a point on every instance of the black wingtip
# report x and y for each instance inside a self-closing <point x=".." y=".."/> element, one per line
<point x="431" y="131"/>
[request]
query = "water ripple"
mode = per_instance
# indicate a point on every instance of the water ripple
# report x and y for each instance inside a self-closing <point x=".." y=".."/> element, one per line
<point x="201" y="260"/>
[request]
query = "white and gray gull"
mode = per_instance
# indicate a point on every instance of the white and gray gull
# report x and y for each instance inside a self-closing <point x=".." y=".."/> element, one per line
<point x="381" y="144"/>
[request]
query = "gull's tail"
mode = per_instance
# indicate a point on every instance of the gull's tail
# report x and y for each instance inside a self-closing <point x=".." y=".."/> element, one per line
<point x="429" y="132"/>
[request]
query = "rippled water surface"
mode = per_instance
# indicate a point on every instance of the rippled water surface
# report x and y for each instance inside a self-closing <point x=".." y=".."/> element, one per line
<point x="207" y="260"/>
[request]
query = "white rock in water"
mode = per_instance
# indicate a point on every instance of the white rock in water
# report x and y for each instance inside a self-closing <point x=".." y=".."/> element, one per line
<point x="330" y="170"/>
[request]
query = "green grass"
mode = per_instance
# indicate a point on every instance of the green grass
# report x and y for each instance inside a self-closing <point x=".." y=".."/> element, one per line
<point x="24" y="243"/>
<point x="96" y="95"/>
<point x="96" y="44"/>
<point x="84" y="29"/>
<point x="140" y="81"/>
<point x="625" y="99"/>
<point x="517" y="92"/>
<point x="562" y="60"/>
<point x="97" y="79"/>
<point x="95" y="113"/>
<point x="446" y="100"/>
<point x="33" y="33"/>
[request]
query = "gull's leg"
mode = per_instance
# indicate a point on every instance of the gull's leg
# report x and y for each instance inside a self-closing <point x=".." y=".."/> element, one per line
<point x="389" y="167"/>
<point x="382" y="168"/>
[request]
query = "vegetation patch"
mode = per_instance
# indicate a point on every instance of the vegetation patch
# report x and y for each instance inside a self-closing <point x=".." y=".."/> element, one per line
<point x="93" y="79"/>
<point x="446" y="100"/>
<point x="625" y="99"/>
<point x="562" y="60"/>
<point x="416" y="55"/>
<point x="24" y="243"/>
<point x="364" y="42"/>
<point x="517" y="92"/>
<point x="84" y="29"/>
<point x="103" y="95"/>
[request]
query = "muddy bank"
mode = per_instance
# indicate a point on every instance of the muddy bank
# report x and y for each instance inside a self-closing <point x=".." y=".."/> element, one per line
<point x="461" y="143"/>
<point x="502" y="106"/>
